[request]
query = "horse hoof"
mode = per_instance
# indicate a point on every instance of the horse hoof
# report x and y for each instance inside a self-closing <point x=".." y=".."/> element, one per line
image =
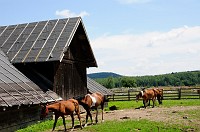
<point x="85" y="125"/>
<point x="102" y="120"/>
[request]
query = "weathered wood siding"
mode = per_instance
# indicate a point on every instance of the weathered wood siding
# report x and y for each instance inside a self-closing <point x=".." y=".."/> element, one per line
<point x="70" y="80"/>
<point x="13" y="119"/>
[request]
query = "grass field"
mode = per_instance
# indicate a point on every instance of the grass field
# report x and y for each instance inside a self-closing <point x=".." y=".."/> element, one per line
<point x="130" y="125"/>
<point x="166" y="103"/>
<point x="134" y="125"/>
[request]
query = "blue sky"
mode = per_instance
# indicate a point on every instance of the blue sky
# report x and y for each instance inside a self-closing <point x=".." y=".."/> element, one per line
<point x="128" y="37"/>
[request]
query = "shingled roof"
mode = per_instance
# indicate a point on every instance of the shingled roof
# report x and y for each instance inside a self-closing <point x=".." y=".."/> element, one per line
<point x="93" y="86"/>
<point x="41" y="41"/>
<point x="16" y="89"/>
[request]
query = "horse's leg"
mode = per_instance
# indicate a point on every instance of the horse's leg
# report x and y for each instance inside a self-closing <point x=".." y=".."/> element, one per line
<point x="159" y="99"/>
<point x="86" y="120"/>
<point x="72" y="116"/>
<point x="63" y="117"/>
<point x="153" y="99"/>
<point x="96" y="115"/>
<point x="89" y="113"/>
<point x="79" y="117"/>
<point x="56" y="119"/>
<point x="148" y="102"/>
<point x="102" y="108"/>
<point x="145" y="103"/>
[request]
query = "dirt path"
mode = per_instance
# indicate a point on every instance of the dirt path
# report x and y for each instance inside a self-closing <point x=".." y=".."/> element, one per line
<point x="172" y="115"/>
<point x="168" y="115"/>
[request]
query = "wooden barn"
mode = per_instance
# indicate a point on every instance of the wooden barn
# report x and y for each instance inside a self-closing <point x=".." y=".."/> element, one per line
<point x="19" y="97"/>
<point x="41" y="62"/>
<point x="54" y="54"/>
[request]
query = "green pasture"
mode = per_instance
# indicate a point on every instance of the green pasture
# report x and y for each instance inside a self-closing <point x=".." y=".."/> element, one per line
<point x="166" y="103"/>
<point x="128" y="125"/>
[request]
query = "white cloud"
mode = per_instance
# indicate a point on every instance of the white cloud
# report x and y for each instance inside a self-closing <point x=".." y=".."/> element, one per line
<point x="67" y="13"/>
<point x="133" y="1"/>
<point x="148" y="54"/>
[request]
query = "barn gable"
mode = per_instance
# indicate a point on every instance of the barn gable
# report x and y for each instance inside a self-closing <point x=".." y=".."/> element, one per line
<point x="54" y="54"/>
<point x="44" y="41"/>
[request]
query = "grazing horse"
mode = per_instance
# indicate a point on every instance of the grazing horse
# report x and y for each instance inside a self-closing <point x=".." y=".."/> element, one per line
<point x="92" y="101"/>
<point x="62" y="108"/>
<point x="148" y="94"/>
<point x="159" y="94"/>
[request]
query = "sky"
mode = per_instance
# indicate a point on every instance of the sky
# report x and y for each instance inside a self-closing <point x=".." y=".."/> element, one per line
<point x="128" y="37"/>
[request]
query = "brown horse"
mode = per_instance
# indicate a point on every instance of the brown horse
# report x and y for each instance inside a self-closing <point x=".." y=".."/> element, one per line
<point x="92" y="101"/>
<point x="159" y="94"/>
<point x="147" y="94"/>
<point x="62" y="108"/>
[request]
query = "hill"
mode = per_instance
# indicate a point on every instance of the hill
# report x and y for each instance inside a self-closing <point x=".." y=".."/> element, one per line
<point x="103" y="75"/>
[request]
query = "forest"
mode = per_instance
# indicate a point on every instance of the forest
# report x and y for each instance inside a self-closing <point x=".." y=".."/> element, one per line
<point x="189" y="78"/>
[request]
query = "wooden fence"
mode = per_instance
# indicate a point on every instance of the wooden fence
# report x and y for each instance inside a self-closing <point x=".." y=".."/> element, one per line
<point x="168" y="94"/>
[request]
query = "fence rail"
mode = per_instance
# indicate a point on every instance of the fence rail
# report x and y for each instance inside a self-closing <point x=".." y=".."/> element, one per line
<point x="168" y="94"/>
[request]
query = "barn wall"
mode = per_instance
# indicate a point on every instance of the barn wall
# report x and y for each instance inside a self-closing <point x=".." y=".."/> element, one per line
<point x="70" y="80"/>
<point x="13" y="119"/>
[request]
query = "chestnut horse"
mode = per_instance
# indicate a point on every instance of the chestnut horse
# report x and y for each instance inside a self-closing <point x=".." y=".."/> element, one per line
<point x="159" y="94"/>
<point x="62" y="108"/>
<point x="92" y="101"/>
<point x="147" y="94"/>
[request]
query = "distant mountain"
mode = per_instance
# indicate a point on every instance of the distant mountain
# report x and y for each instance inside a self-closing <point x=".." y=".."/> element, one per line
<point x="103" y="75"/>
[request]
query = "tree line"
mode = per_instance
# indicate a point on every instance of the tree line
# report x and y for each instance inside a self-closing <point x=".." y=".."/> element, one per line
<point x="190" y="78"/>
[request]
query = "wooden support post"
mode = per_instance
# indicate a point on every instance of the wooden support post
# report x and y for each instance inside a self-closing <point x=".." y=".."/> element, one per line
<point x="198" y="91"/>
<point x="129" y="95"/>
<point x="179" y="93"/>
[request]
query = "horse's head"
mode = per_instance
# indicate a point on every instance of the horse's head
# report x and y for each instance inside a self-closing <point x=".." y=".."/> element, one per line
<point x="80" y="99"/>
<point x="139" y="95"/>
<point x="44" y="112"/>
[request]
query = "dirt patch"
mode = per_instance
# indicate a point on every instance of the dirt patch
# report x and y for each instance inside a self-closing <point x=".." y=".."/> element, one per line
<point x="168" y="115"/>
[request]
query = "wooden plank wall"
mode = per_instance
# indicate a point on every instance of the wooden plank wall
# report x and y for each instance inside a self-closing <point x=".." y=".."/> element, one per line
<point x="70" y="80"/>
<point x="14" y="118"/>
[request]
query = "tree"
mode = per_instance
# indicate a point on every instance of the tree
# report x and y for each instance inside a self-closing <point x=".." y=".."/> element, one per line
<point x="128" y="82"/>
<point x="110" y="82"/>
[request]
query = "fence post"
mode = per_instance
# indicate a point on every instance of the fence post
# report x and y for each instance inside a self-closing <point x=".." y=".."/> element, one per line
<point x="198" y="91"/>
<point x="128" y="95"/>
<point x="179" y="93"/>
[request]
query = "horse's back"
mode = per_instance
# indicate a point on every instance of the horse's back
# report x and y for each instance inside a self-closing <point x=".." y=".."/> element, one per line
<point x="158" y="91"/>
<point x="98" y="95"/>
<point x="150" y="93"/>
